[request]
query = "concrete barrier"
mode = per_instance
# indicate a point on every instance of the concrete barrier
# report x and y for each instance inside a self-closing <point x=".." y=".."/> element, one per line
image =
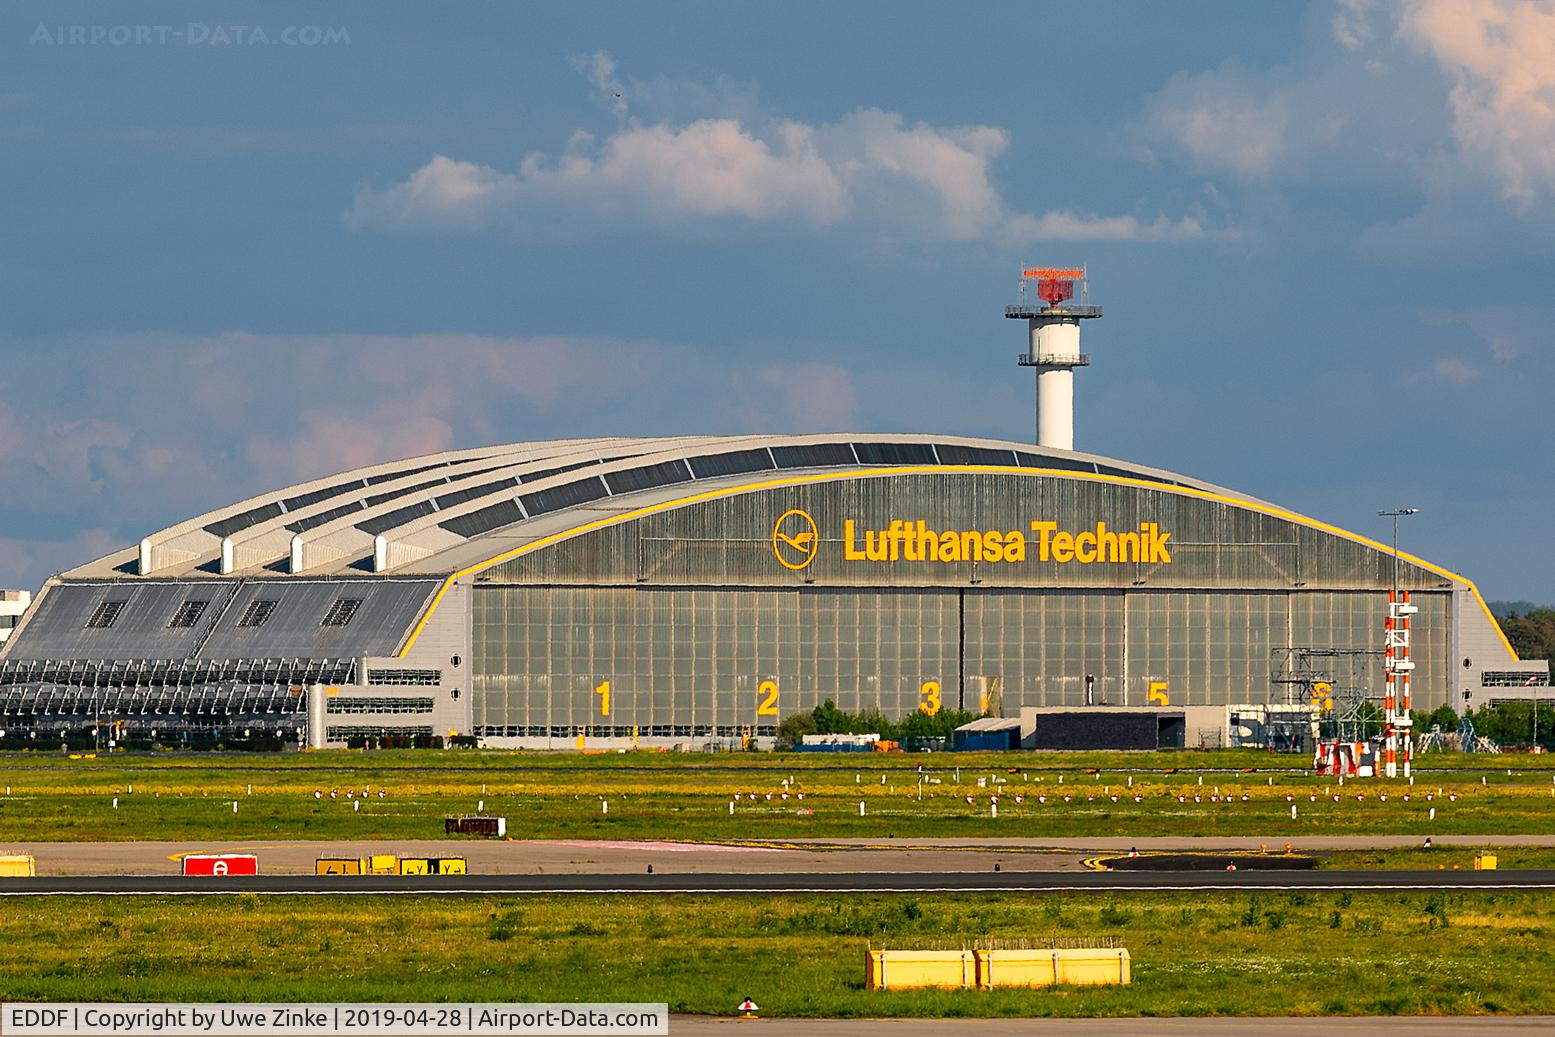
<point x="1042" y="968"/>
<point x="905" y="970"/>
<point x="987" y="969"/>
<point x="17" y="865"/>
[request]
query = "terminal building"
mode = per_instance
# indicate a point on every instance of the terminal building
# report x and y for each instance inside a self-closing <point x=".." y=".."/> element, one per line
<point x="696" y="590"/>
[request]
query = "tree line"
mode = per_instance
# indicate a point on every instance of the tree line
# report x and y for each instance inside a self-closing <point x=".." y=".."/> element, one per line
<point x="914" y="730"/>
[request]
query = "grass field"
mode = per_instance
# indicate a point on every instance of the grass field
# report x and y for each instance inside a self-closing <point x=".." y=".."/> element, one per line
<point x="656" y="795"/>
<point x="1199" y="954"/>
<point x="1507" y="857"/>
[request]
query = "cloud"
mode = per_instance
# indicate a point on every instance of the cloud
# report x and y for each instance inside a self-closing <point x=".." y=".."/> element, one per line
<point x="1500" y="55"/>
<point x="1454" y="370"/>
<point x="1066" y="226"/>
<point x="600" y="69"/>
<point x="25" y="563"/>
<point x="815" y="397"/>
<point x="1369" y="106"/>
<point x="1228" y="119"/>
<point x="1505" y="333"/>
<point x="871" y="169"/>
<point x="1498" y="337"/>
<point x="182" y="424"/>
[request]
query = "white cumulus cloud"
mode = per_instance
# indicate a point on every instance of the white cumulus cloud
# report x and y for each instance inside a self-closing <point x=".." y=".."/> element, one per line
<point x="1223" y="120"/>
<point x="1501" y="57"/>
<point x="872" y="168"/>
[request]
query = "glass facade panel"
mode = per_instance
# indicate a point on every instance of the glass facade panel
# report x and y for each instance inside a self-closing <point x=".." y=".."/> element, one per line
<point x="690" y="616"/>
<point x="728" y="657"/>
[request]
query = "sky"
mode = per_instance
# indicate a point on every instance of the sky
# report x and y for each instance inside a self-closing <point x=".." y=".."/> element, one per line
<point x="244" y="246"/>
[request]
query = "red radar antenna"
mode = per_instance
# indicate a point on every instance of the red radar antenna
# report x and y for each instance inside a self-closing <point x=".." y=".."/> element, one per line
<point x="1053" y="290"/>
<point x="1054" y="284"/>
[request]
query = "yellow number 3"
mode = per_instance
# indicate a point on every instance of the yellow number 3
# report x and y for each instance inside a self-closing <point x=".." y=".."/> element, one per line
<point x="929" y="693"/>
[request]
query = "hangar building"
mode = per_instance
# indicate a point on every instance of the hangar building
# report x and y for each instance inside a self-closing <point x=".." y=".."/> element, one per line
<point x="691" y="590"/>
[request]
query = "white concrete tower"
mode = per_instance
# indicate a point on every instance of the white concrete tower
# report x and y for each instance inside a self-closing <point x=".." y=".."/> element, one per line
<point x="1054" y="347"/>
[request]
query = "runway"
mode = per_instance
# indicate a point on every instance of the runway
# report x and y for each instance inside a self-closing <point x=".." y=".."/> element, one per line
<point x="803" y="856"/>
<point x="735" y="884"/>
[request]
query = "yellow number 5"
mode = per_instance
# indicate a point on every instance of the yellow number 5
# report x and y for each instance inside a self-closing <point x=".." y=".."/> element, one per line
<point x="768" y="706"/>
<point x="929" y="694"/>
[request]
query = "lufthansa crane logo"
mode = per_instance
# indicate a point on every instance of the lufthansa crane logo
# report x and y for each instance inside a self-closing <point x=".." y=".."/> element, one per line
<point x="795" y="539"/>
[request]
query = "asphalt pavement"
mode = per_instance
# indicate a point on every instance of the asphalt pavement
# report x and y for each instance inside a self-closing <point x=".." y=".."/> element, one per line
<point x="1003" y="881"/>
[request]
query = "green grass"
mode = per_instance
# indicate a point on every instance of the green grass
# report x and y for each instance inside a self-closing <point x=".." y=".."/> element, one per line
<point x="1417" y="859"/>
<point x="658" y="795"/>
<point x="1193" y="954"/>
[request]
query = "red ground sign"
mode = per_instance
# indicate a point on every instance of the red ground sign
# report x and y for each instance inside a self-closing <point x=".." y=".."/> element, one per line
<point x="221" y="864"/>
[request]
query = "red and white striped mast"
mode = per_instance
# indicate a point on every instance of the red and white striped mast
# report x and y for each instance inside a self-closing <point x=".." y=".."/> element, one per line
<point x="1397" y="666"/>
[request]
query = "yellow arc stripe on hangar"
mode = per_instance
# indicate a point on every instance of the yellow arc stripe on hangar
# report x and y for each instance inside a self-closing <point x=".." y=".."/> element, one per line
<point x="861" y="473"/>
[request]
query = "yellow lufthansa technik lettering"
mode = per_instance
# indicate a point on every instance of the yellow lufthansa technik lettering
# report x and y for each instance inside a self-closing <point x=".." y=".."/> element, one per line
<point x="917" y="541"/>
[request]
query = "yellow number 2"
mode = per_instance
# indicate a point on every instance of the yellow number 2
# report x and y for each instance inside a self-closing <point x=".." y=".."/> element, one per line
<point x="602" y="689"/>
<point x="768" y="706"/>
<point x="929" y="694"/>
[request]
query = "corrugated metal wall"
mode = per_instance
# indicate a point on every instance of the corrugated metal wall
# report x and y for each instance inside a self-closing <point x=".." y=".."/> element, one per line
<point x="728" y="541"/>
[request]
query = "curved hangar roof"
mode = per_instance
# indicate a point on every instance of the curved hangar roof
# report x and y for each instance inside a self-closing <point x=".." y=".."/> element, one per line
<point x="439" y="513"/>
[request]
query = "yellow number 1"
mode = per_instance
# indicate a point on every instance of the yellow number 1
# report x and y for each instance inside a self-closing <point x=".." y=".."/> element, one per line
<point x="602" y="689"/>
<point x="929" y="693"/>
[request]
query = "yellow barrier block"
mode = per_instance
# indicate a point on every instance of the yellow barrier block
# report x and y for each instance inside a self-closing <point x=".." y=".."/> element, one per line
<point x="1042" y="968"/>
<point x="415" y="866"/>
<point x="383" y="864"/>
<point x="905" y="970"/>
<point x="1485" y="862"/>
<point x="987" y="969"/>
<point x="338" y="866"/>
<point x="451" y="866"/>
<point x="18" y="866"/>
